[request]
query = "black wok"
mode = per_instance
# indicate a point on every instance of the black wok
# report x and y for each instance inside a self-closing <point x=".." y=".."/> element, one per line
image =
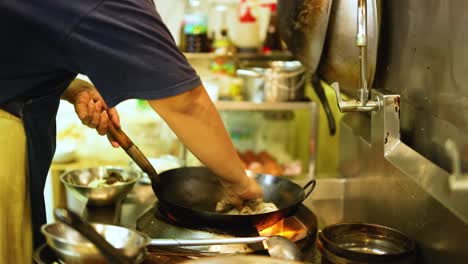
<point x="190" y="196"/>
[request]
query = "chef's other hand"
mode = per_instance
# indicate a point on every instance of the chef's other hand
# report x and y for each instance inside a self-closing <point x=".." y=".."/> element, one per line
<point x="90" y="108"/>
<point x="247" y="189"/>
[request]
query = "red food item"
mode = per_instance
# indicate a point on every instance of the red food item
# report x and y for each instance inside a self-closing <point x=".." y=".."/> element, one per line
<point x="250" y="157"/>
<point x="256" y="167"/>
<point x="271" y="166"/>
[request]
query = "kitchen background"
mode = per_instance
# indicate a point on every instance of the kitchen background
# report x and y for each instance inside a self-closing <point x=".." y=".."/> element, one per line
<point x="288" y="134"/>
<point x="156" y="139"/>
<point x="408" y="185"/>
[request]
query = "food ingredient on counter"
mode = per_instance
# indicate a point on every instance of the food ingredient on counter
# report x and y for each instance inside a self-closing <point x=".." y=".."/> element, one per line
<point x="112" y="179"/>
<point x="262" y="162"/>
<point x="257" y="206"/>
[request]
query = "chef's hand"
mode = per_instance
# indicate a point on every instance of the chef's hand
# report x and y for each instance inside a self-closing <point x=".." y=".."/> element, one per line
<point x="90" y="107"/>
<point x="237" y="193"/>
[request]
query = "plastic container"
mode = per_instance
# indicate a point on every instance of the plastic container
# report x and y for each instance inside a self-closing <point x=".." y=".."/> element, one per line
<point x="246" y="31"/>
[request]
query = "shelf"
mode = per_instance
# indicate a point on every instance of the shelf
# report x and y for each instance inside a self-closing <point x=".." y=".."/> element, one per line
<point x="266" y="106"/>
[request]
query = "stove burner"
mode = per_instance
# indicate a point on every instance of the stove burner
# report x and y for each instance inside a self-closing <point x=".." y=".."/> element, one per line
<point x="157" y="223"/>
<point x="162" y="214"/>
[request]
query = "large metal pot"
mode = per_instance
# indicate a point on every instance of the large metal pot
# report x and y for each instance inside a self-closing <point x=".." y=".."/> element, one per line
<point x="283" y="81"/>
<point x="253" y="83"/>
<point x="190" y="196"/>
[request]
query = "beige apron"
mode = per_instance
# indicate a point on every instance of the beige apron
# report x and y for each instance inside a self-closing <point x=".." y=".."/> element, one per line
<point x="15" y="216"/>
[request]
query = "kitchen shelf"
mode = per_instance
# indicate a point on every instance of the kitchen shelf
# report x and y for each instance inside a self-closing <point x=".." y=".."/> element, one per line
<point x="264" y="106"/>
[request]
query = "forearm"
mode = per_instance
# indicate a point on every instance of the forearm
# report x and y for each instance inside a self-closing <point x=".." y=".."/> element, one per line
<point x="195" y="120"/>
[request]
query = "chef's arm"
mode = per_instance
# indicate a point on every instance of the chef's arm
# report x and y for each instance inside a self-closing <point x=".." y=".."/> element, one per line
<point x="194" y="118"/>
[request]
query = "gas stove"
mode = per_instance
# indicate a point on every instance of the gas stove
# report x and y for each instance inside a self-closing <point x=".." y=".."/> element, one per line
<point x="140" y="210"/>
<point x="300" y="228"/>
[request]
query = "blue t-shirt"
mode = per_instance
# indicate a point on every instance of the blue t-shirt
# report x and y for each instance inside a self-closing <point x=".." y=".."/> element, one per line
<point x="121" y="45"/>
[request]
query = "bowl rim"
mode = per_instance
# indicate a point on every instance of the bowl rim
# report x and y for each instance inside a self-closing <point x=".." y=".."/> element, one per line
<point x="133" y="181"/>
<point x="87" y="243"/>
<point x="334" y="248"/>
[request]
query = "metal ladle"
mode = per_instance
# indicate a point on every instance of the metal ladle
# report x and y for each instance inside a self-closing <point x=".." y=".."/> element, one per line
<point x="277" y="246"/>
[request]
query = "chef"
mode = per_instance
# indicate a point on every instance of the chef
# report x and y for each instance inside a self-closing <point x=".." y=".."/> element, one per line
<point x="127" y="52"/>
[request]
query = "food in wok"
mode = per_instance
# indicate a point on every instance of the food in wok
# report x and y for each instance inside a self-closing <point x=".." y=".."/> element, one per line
<point x="257" y="206"/>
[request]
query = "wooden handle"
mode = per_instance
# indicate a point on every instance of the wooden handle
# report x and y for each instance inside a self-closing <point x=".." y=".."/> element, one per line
<point x="118" y="135"/>
<point x="133" y="152"/>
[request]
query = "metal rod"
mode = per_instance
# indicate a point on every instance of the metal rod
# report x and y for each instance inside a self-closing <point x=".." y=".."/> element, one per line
<point x="206" y="242"/>
<point x="363" y="94"/>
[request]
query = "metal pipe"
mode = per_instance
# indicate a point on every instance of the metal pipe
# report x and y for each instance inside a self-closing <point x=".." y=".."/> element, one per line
<point x="363" y="93"/>
<point x="206" y="242"/>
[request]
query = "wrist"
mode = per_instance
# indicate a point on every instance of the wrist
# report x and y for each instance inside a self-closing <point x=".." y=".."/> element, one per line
<point x="75" y="88"/>
<point x="240" y="186"/>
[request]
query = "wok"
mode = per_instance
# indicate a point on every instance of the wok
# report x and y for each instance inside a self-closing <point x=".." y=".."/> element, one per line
<point x="190" y="196"/>
<point x="303" y="26"/>
<point x="340" y="59"/>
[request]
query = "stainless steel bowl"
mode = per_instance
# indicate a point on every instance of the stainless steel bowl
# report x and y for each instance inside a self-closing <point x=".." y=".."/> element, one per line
<point x="72" y="248"/>
<point x="77" y="181"/>
<point x="365" y="243"/>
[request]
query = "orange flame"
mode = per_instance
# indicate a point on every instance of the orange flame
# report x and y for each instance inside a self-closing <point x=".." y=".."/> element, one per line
<point x="290" y="228"/>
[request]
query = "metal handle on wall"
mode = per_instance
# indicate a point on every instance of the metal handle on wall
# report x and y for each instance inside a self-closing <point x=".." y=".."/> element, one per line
<point x="457" y="180"/>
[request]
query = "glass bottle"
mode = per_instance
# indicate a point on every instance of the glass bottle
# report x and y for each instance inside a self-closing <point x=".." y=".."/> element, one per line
<point x="195" y="28"/>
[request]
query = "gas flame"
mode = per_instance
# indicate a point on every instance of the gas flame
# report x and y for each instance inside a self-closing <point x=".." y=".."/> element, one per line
<point x="290" y="228"/>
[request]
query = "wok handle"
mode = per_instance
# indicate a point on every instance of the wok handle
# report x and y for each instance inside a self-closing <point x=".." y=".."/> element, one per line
<point x="133" y="152"/>
<point x="76" y="222"/>
<point x="118" y="135"/>
<point x="320" y="91"/>
<point x="311" y="184"/>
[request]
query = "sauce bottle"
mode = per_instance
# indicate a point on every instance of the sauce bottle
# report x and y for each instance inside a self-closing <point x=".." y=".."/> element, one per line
<point x="195" y="28"/>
